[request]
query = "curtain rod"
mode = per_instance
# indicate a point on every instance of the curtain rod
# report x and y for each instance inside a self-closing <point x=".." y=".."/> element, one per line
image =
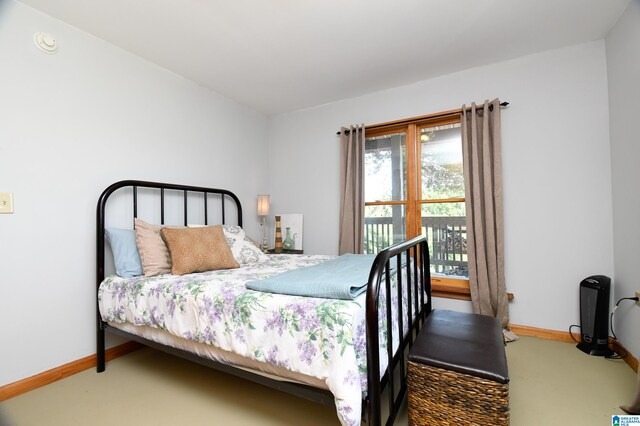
<point x="438" y="114"/>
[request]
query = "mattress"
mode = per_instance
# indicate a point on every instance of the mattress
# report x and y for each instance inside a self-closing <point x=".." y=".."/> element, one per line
<point x="321" y="342"/>
<point x="211" y="352"/>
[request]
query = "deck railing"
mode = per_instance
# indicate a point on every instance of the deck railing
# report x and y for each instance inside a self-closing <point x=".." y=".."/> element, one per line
<point x="447" y="237"/>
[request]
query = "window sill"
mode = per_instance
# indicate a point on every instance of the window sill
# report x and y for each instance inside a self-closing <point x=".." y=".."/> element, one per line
<point x="452" y="288"/>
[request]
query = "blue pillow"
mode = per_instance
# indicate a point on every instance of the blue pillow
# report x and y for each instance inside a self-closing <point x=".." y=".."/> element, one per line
<point x="125" y="252"/>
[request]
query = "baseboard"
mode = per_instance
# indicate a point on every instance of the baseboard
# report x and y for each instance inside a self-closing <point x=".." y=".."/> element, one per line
<point x="542" y="333"/>
<point x="30" y="383"/>
<point x="624" y="353"/>
<point x="564" y="336"/>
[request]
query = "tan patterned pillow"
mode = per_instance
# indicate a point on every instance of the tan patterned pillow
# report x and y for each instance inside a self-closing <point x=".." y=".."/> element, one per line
<point x="154" y="255"/>
<point x="198" y="249"/>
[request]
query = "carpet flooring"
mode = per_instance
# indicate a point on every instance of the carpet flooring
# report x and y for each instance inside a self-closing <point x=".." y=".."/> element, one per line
<point x="551" y="383"/>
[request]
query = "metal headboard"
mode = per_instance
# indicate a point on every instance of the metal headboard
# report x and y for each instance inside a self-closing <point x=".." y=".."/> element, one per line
<point x="135" y="185"/>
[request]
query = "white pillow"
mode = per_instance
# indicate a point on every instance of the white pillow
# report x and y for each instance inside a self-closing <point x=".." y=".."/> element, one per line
<point x="241" y="246"/>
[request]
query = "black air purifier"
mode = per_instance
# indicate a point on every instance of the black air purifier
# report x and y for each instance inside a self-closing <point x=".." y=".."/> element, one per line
<point x="594" y="315"/>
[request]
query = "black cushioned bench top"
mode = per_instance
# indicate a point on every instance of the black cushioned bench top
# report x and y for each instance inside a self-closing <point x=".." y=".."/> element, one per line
<point x="467" y="343"/>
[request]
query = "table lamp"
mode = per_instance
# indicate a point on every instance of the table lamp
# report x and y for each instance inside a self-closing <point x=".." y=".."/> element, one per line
<point x="263" y="211"/>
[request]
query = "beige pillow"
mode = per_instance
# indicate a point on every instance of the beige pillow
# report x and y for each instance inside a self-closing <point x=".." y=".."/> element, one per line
<point x="154" y="254"/>
<point x="198" y="249"/>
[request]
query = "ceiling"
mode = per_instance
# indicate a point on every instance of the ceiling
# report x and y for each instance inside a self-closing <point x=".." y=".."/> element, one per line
<point x="282" y="55"/>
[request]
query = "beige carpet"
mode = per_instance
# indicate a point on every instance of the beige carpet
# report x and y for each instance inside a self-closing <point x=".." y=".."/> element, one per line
<point x="551" y="383"/>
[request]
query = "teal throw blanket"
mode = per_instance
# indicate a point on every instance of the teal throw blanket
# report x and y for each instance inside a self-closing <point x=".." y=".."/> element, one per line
<point x="344" y="277"/>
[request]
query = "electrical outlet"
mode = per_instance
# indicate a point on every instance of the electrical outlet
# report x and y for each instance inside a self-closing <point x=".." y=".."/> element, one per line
<point x="638" y="296"/>
<point x="6" y="202"/>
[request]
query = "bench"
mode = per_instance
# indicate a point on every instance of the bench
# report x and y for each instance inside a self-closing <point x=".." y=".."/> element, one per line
<point x="457" y="371"/>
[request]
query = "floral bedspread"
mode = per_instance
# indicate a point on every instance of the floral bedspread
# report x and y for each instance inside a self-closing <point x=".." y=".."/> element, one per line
<point x="323" y="338"/>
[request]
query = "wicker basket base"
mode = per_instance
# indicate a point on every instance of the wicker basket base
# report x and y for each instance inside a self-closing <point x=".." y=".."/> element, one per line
<point x="443" y="397"/>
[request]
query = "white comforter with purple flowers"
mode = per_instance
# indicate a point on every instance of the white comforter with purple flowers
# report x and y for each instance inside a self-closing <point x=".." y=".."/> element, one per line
<point x="323" y="338"/>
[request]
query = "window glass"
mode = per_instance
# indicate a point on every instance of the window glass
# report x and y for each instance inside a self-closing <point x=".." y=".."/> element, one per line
<point x="384" y="167"/>
<point x="445" y="226"/>
<point x="384" y="225"/>
<point x="441" y="161"/>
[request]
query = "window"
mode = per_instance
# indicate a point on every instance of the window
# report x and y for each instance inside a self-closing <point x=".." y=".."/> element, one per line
<point x="414" y="184"/>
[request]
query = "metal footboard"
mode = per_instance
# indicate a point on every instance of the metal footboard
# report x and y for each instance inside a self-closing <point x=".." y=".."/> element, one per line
<point x="414" y="286"/>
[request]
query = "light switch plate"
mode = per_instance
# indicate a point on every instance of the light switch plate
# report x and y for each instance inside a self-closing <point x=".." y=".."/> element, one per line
<point x="6" y="202"/>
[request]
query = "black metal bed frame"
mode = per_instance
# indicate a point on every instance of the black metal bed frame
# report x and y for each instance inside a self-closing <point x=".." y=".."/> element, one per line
<point x="416" y="264"/>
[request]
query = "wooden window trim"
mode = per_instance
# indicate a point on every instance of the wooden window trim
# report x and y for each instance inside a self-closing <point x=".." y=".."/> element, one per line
<point x="452" y="288"/>
<point x="412" y="211"/>
<point x="421" y="121"/>
<point x="441" y="286"/>
<point x="386" y="203"/>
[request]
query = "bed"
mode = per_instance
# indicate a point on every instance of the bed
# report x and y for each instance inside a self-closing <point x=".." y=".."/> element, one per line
<point x="350" y="353"/>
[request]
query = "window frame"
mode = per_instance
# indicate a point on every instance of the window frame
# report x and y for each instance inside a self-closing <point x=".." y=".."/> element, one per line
<point x="453" y="288"/>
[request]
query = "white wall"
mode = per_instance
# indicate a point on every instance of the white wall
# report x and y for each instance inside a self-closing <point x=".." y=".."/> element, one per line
<point x="623" y="70"/>
<point x="556" y="163"/>
<point x="71" y="124"/>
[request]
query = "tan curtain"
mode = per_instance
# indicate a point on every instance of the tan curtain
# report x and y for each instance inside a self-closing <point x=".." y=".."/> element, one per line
<point x="481" y="152"/>
<point x="351" y="238"/>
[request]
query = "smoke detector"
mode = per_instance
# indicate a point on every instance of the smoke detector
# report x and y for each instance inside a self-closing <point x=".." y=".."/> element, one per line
<point x="45" y="42"/>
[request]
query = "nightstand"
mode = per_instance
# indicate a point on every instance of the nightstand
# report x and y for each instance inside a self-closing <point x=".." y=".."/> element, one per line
<point x="273" y="251"/>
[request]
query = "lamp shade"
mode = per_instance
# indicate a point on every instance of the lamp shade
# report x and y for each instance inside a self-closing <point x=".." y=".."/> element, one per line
<point x="263" y="205"/>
